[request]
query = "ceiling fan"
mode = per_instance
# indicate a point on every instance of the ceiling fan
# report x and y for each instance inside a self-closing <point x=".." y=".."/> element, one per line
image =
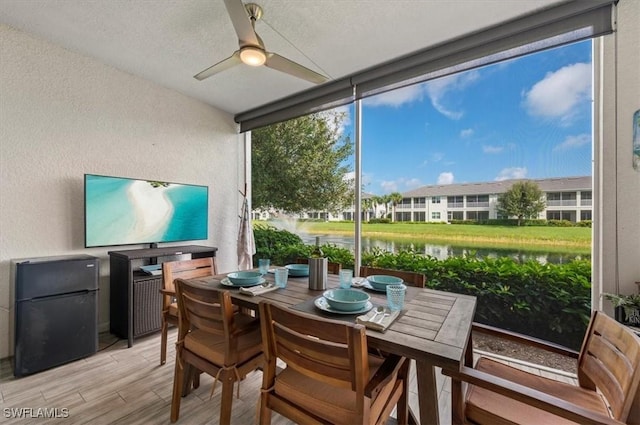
<point x="252" y="51"/>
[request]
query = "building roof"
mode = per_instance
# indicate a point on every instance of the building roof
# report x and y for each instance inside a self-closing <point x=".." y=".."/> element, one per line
<point x="558" y="184"/>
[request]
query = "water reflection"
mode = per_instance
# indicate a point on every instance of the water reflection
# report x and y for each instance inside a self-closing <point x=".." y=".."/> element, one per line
<point x="443" y="251"/>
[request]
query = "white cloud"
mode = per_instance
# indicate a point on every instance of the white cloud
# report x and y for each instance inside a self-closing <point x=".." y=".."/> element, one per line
<point x="413" y="183"/>
<point x="350" y="176"/>
<point x="438" y="89"/>
<point x="389" y="186"/>
<point x="560" y="92"/>
<point x="433" y="157"/>
<point x="492" y="149"/>
<point x="445" y="178"/>
<point x="573" y="142"/>
<point x="512" y="173"/>
<point x="399" y="184"/>
<point x="467" y="132"/>
<point x="398" y="97"/>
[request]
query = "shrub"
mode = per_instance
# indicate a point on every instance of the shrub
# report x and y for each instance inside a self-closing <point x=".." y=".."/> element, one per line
<point x="379" y="220"/>
<point x="584" y="223"/>
<point x="550" y="301"/>
<point x="275" y="244"/>
<point x="547" y="301"/>
<point x="283" y="247"/>
<point x="560" y="223"/>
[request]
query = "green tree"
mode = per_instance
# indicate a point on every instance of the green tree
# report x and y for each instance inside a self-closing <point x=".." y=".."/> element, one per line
<point x="367" y="205"/>
<point x="376" y="200"/>
<point x="524" y="200"/>
<point x="395" y="198"/>
<point x="299" y="165"/>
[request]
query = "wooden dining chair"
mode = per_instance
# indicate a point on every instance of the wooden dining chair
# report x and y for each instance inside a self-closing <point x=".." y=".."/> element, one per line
<point x="410" y="278"/>
<point x="171" y="270"/>
<point x="332" y="268"/>
<point x="329" y="376"/>
<point x="608" y="377"/>
<point x="215" y="339"/>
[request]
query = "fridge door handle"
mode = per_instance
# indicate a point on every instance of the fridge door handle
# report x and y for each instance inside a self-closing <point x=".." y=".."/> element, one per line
<point x="69" y="294"/>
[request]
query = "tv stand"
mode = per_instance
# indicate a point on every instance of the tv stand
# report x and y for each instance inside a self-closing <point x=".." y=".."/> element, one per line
<point x="135" y="300"/>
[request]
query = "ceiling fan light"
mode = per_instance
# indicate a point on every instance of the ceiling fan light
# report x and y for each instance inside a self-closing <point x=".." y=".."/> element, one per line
<point x="252" y="56"/>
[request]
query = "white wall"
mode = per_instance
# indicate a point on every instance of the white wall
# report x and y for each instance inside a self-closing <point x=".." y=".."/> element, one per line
<point x="63" y="115"/>
<point x="617" y="184"/>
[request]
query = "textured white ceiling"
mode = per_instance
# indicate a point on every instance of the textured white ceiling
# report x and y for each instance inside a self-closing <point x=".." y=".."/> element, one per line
<point x="169" y="41"/>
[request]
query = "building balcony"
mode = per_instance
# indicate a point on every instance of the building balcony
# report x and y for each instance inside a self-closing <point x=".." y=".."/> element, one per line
<point x="562" y="203"/>
<point x="477" y="204"/>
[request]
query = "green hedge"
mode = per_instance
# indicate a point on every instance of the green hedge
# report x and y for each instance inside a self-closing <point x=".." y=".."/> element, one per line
<point x="548" y="301"/>
<point x="528" y="222"/>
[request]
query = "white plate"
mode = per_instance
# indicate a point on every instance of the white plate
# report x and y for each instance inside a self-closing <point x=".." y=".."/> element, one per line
<point x="227" y="282"/>
<point x="359" y="282"/>
<point x="322" y="304"/>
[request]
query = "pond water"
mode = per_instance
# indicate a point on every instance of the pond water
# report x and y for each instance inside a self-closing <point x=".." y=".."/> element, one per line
<point x="442" y="251"/>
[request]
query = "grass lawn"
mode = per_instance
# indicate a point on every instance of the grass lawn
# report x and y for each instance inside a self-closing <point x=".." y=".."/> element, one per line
<point x="570" y="237"/>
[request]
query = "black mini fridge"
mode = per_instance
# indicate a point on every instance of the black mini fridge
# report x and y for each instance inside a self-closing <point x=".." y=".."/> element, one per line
<point x="56" y="311"/>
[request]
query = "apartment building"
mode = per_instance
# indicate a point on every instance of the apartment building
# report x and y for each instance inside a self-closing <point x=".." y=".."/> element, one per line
<point x="566" y="198"/>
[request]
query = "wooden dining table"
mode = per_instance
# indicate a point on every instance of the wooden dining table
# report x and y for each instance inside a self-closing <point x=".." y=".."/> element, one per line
<point x="433" y="328"/>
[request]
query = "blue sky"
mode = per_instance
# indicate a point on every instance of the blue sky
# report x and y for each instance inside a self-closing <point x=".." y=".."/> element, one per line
<point x="525" y="118"/>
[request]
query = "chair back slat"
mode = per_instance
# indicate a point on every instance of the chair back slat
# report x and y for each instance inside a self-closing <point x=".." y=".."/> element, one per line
<point x="314" y="356"/>
<point x="410" y="278"/>
<point x="204" y="315"/>
<point x="610" y="361"/>
<point x="207" y="309"/>
<point x="187" y="269"/>
<point x="318" y="351"/>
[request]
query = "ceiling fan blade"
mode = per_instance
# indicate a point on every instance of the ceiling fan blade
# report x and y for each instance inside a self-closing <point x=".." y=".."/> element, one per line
<point x="223" y="65"/>
<point x="280" y="63"/>
<point x="242" y="23"/>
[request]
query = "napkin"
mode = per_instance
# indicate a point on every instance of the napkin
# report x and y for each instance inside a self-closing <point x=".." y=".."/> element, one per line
<point x="359" y="282"/>
<point x="378" y="324"/>
<point x="258" y="290"/>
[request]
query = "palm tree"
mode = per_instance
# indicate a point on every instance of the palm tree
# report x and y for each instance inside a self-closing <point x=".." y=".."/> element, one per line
<point x="386" y="200"/>
<point x="367" y="203"/>
<point x="395" y="198"/>
<point x="376" y="200"/>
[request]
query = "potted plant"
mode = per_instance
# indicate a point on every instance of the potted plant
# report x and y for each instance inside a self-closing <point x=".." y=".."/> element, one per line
<point x="629" y="304"/>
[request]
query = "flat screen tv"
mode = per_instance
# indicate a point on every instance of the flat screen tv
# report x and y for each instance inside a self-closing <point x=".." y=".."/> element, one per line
<point x="124" y="211"/>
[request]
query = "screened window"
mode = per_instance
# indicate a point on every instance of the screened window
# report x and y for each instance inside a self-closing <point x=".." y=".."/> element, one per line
<point x="477" y="215"/>
<point x="403" y="216"/>
<point x="477" y="201"/>
<point x="455" y="201"/>
<point x="419" y="202"/>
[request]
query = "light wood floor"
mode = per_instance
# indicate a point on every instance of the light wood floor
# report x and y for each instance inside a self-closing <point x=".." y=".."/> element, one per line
<point x="128" y="386"/>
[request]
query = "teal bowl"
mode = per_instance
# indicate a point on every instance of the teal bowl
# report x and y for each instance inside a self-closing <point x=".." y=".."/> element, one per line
<point x="298" y="269"/>
<point x="244" y="278"/>
<point x="381" y="281"/>
<point x="346" y="299"/>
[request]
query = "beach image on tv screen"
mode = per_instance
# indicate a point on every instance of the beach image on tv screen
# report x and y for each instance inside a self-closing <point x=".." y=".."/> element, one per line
<point x="120" y="211"/>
